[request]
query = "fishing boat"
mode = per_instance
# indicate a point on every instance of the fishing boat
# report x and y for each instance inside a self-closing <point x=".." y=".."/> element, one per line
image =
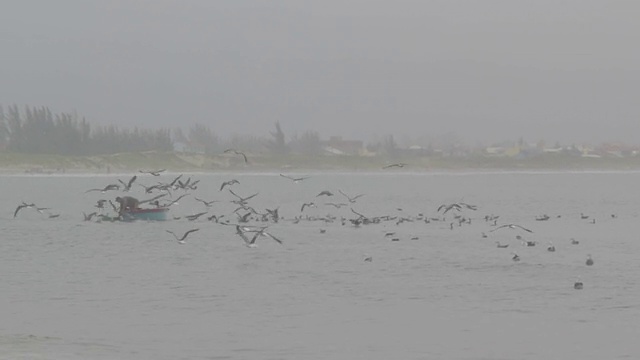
<point x="153" y="214"/>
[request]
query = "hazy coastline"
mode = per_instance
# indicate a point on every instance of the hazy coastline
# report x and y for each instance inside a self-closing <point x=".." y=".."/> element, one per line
<point x="17" y="163"/>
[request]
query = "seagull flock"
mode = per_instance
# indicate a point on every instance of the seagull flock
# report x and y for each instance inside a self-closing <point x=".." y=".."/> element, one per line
<point x="251" y="224"/>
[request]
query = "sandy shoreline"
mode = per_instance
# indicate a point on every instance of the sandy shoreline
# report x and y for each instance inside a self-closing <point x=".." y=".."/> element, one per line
<point x="129" y="163"/>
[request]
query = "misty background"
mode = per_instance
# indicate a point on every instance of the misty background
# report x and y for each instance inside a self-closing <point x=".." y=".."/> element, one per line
<point x="482" y="71"/>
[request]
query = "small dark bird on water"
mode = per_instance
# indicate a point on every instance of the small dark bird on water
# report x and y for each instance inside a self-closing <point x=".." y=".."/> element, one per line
<point x="184" y="236"/>
<point x="578" y="285"/>
<point x="589" y="261"/>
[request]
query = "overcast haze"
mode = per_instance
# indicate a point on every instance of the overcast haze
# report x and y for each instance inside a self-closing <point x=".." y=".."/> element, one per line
<point x="488" y="70"/>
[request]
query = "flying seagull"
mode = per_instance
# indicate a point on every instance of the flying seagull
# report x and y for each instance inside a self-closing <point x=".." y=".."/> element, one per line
<point x="195" y="216"/>
<point x="310" y="204"/>
<point x="336" y="205"/>
<point x="153" y="172"/>
<point x="511" y="226"/>
<point x="246" y="161"/>
<point x="262" y="232"/>
<point x="22" y="206"/>
<point x="207" y="203"/>
<point x="181" y="239"/>
<point x="229" y="183"/>
<point x="106" y="188"/>
<point x="294" y="179"/>
<point x="456" y="206"/>
<point x="242" y="200"/>
<point x="88" y="217"/>
<point x="127" y="186"/>
<point x="326" y="193"/>
<point x="398" y="165"/>
<point x="350" y="198"/>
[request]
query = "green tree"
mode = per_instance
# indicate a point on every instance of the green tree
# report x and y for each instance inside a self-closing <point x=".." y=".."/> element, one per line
<point x="278" y="145"/>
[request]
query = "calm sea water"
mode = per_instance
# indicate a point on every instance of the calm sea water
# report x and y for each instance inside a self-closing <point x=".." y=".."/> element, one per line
<point x="72" y="289"/>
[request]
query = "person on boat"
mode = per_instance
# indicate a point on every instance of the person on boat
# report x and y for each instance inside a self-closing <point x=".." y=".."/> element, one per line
<point x="127" y="203"/>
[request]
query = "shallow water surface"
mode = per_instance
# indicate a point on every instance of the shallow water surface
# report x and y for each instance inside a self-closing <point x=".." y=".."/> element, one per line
<point x="74" y="289"/>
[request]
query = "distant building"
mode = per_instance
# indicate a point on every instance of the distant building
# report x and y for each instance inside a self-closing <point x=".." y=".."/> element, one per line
<point x="187" y="148"/>
<point x="336" y="145"/>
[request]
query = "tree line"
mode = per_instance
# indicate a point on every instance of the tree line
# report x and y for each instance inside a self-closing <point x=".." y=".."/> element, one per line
<point x="39" y="131"/>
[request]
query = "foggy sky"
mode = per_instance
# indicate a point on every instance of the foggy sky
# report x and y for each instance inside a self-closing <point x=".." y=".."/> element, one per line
<point x="484" y="70"/>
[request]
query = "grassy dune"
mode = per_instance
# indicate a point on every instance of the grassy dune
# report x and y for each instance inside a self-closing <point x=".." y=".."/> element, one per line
<point x="128" y="162"/>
